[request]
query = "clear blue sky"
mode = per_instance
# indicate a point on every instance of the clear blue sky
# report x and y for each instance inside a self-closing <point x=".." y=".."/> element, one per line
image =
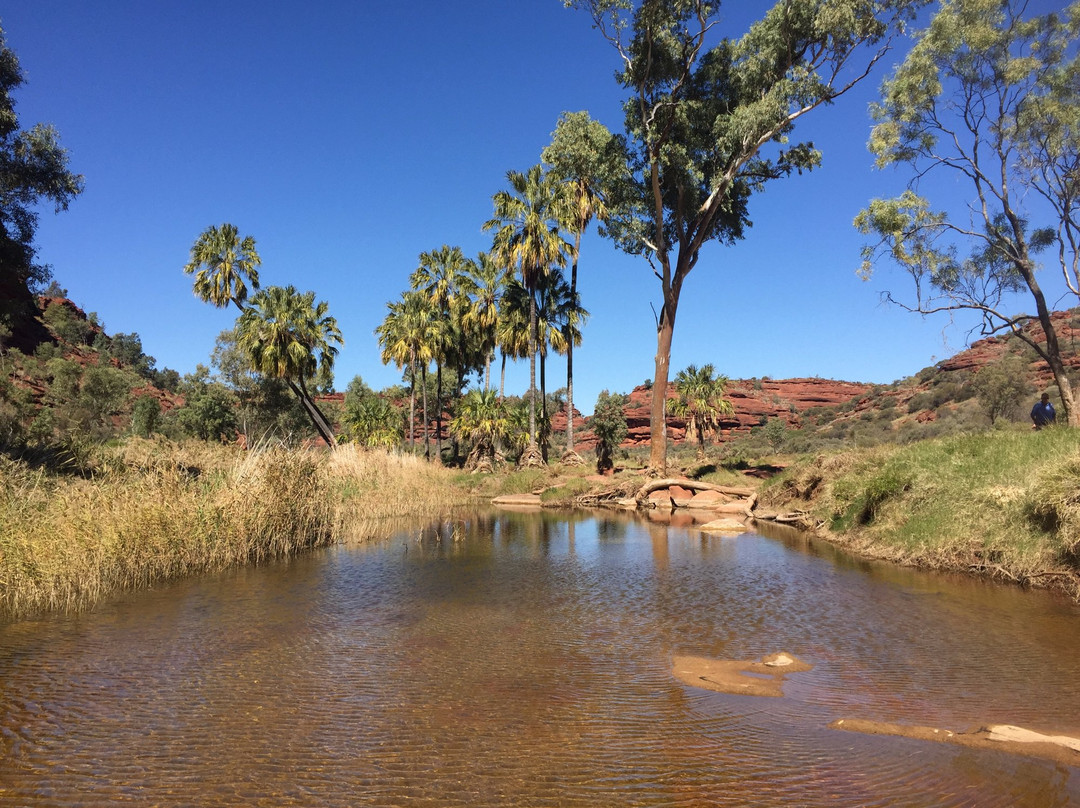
<point x="349" y="137"/>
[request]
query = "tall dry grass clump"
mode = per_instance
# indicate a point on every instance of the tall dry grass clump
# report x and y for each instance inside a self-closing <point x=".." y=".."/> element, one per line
<point x="372" y="485"/>
<point x="147" y="515"/>
<point x="154" y="510"/>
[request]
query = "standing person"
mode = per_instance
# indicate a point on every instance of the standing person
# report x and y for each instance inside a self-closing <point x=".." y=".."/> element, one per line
<point x="1043" y="413"/>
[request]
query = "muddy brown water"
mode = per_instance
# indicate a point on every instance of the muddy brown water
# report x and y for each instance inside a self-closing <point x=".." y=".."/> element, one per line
<point x="515" y="659"/>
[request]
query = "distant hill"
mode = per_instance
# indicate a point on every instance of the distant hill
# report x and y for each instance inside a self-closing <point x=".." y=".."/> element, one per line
<point x="937" y="399"/>
<point x="825" y="406"/>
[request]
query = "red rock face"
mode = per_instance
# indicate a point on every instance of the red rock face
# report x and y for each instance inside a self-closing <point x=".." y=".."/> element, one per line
<point x="755" y="402"/>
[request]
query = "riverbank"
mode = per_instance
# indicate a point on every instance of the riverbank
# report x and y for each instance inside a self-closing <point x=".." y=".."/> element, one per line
<point x="147" y="511"/>
<point x="1002" y="504"/>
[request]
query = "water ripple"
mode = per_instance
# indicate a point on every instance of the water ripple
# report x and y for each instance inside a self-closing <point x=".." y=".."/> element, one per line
<point x="530" y="664"/>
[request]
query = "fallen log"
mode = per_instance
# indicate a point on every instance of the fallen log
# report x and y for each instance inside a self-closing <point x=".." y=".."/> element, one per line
<point x="693" y="485"/>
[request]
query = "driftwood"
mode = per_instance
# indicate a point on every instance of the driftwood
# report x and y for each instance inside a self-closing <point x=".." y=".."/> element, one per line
<point x="693" y="485"/>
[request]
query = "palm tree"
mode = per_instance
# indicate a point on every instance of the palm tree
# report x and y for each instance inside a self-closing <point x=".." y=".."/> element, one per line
<point x="562" y="316"/>
<point x="221" y="262"/>
<point x="485" y="288"/>
<point x="372" y="421"/>
<point x="481" y="420"/>
<point x="286" y="335"/>
<point x="407" y="339"/>
<point x="701" y="401"/>
<point x="577" y="156"/>
<point x="440" y="276"/>
<point x="527" y="240"/>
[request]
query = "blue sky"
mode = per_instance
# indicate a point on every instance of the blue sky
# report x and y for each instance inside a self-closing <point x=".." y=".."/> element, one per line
<point x="349" y="137"/>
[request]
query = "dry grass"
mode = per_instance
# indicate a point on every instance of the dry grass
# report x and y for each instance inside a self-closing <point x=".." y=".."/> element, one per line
<point x="155" y="510"/>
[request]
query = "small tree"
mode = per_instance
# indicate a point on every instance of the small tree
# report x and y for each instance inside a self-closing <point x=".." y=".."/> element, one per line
<point x="370" y="419"/>
<point x="608" y="424"/>
<point x="482" y="421"/>
<point x="701" y="402"/>
<point x="775" y="433"/>
<point x="1000" y="386"/>
<point x="145" y="416"/>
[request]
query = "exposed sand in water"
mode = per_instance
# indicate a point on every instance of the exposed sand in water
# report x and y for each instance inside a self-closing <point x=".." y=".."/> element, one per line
<point x="1002" y="737"/>
<point x="745" y="677"/>
<point x="766" y="678"/>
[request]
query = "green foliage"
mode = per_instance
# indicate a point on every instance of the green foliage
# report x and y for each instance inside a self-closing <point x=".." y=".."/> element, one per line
<point x="222" y="261"/>
<point x="988" y="98"/>
<point x="700" y="400"/>
<point x="1000" y="386"/>
<point x="707" y="122"/>
<point x="775" y="432"/>
<point x="369" y="418"/>
<point x="527" y="241"/>
<point x="210" y="408"/>
<point x="33" y="171"/>
<point x="127" y="349"/>
<point x="285" y="335"/>
<point x="102" y="393"/>
<point x="145" y="416"/>
<point x="46" y="351"/>
<point x="480" y="419"/>
<point x="66" y="324"/>
<point x="608" y="424"/>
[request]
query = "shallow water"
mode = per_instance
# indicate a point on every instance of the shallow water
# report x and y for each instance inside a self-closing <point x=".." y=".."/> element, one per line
<point x="518" y="659"/>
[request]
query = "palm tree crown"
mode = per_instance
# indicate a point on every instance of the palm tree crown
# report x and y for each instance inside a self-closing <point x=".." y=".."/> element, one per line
<point x="286" y="335"/>
<point x="701" y="401"/>
<point x="221" y="262"/>
<point x="527" y="240"/>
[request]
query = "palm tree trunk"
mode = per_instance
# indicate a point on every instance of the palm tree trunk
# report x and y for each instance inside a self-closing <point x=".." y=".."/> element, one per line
<point x="427" y="442"/>
<point x="438" y="411"/>
<point x="543" y="403"/>
<point x="318" y="420"/>
<point x="412" y="410"/>
<point x="532" y="370"/>
<point x="502" y="377"/>
<point x="570" y="342"/>
<point x="570" y="395"/>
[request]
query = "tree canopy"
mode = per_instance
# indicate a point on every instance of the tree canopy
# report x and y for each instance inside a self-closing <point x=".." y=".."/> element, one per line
<point x="33" y="169"/>
<point x="989" y="99"/>
<point x="707" y="121"/>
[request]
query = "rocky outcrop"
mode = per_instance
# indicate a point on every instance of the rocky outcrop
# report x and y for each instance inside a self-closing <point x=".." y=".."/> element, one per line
<point x="755" y="402"/>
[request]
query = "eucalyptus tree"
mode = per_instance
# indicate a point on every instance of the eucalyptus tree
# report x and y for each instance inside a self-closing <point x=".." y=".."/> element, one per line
<point x="991" y="100"/>
<point x="581" y="155"/>
<point x="33" y="169"/>
<point x="287" y="335"/>
<point x="707" y="120"/>
<point x="223" y="264"/>
<point x="700" y="400"/>
<point x="527" y="240"/>
<point x="407" y="337"/>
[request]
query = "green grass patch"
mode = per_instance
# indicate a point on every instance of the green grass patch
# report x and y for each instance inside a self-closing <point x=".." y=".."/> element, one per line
<point x="1006" y="498"/>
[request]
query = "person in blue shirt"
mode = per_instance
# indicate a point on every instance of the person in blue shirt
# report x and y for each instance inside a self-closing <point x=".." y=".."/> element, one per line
<point x="1042" y="414"/>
